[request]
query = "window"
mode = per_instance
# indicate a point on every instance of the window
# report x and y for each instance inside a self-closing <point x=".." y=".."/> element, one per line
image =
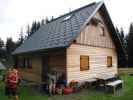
<point x="21" y="61"/>
<point x="67" y="17"/>
<point x="109" y="61"/>
<point x="84" y="63"/>
<point x="101" y="29"/>
<point x="28" y="63"/>
<point x="25" y="62"/>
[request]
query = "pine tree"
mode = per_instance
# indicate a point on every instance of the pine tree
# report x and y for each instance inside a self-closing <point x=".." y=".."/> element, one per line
<point x="130" y="46"/>
<point x="52" y="18"/>
<point x="46" y="20"/>
<point x="38" y="25"/>
<point x="126" y="41"/>
<point x="122" y="33"/>
<point x="28" y="30"/>
<point x="121" y="57"/>
<point x="1" y="43"/>
<point x="42" y="22"/>
<point x="117" y="30"/>
<point x="33" y="28"/>
<point x="10" y="46"/>
<point x="20" y="39"/>
<point x="2" y="51"/>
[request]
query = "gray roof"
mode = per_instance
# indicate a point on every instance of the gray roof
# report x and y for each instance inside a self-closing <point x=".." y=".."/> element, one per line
<point x="2" y="67"/>
<point x="61" y="31"/>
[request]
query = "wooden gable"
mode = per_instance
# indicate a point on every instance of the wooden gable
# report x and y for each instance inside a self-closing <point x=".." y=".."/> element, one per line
<point x="96" y="33"/>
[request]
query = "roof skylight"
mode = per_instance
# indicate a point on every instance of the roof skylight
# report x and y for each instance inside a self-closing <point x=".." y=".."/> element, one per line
<point x="67" y="17"/>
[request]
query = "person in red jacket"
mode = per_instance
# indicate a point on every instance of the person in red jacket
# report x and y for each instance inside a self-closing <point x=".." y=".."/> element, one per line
<point x="6" y="79"/>
<point x="11" y="84"/>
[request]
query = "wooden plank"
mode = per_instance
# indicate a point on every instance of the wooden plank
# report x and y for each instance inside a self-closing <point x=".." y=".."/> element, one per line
<point x="91" y="35"/>
<point x="97" y="58"/>
<point x="115" y="83"/>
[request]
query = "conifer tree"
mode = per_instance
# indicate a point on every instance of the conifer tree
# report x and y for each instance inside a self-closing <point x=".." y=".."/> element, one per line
<point x="130" y="46"/>
<point x="1" y="43"/>
<point x="10" y="46"/>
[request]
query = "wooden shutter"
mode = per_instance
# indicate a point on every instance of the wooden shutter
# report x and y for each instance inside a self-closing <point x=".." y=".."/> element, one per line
<point x="84" y="63"/>
<point x="109" y="61"/>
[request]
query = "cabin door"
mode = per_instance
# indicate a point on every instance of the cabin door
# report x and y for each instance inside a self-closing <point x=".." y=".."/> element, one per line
<point x="45" y="67"/>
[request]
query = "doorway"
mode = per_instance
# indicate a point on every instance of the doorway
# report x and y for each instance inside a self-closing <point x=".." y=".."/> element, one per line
<point x="45" y="67"/>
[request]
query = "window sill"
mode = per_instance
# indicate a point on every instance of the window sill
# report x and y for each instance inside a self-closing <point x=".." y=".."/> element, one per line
<point x="84" y="70"/>
<point x="109" y="66"/>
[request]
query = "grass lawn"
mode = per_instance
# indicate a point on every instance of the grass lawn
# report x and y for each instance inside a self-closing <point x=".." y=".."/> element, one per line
<point x="92" y="94"/>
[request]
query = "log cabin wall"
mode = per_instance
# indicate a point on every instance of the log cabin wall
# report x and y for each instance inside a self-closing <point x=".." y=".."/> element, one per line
<point x="91" y="35"/>
<point x="34" y="73"/>
<point x="57" y="62"/>
<point x="91" y="43"/>
<point x="97" y="62"/>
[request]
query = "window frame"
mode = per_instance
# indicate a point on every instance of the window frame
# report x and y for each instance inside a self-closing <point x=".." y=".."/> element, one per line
<point x="28" y="62"/>
<point x="21" y="62"/>
<point x="25" y="62"/>
<point x="109" y="61"/>
<point x="102" y="29"/>
<point x="85" y="67"/>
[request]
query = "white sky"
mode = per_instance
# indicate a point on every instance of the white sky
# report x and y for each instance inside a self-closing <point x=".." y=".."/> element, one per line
<point x="15" y="14"/>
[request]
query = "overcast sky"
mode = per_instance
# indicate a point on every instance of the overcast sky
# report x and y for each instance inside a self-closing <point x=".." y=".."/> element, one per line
<point x="15" y="14"/>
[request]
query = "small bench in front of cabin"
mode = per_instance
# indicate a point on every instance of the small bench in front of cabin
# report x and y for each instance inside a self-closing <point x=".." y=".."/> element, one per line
<point x="118" y="84"/>
<point x="89" y="82"/>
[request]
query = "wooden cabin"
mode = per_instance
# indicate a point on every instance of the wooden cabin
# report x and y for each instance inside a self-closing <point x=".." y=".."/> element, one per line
<point x="80" y="44"/>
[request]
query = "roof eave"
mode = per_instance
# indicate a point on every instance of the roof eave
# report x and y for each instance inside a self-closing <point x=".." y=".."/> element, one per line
<point x="41" y="50"/>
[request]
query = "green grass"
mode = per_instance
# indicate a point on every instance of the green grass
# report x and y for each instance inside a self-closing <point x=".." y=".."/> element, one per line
<point x="87" y="94"/>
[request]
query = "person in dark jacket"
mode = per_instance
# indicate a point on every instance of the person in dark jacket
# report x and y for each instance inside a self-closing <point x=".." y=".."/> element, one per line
<point x="51" y="82"/>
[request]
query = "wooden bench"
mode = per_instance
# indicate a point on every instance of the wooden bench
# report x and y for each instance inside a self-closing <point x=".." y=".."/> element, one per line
<point x="105" y="78"/>
<point x="90" y="81"/>
<point x="114" y="85"/>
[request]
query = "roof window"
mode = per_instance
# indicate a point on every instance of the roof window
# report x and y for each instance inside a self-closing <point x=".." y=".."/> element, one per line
<point x="67" y="17"/>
